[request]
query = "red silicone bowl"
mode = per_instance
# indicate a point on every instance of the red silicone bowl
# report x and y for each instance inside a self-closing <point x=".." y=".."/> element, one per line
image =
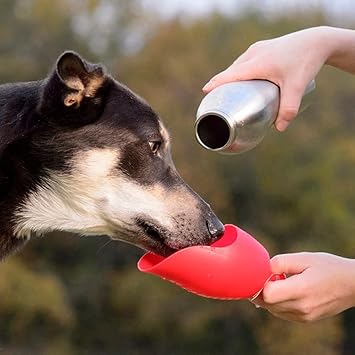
<point x="236" y="266"/>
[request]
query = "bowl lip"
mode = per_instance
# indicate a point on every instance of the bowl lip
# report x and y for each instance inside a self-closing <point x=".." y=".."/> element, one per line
<point x="160" y="260"/>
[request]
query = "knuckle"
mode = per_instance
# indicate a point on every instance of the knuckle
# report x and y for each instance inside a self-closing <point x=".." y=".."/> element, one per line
<point x="307" y="318"/>
<point x="305" y="310"/>
<point x="268" y="296"/>
<point x="277" y="262"/>
<point x="256" y="45"/>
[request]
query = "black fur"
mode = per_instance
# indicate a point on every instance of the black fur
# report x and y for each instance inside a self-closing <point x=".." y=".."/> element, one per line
<point x="76" y="108"/>
<point x="33" y="123"/>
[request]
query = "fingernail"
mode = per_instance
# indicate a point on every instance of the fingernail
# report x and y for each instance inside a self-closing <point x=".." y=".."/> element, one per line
<point x="282" y="125"/>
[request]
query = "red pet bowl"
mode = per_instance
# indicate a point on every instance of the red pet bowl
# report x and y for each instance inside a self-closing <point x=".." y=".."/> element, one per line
<point x="236" y="266"/>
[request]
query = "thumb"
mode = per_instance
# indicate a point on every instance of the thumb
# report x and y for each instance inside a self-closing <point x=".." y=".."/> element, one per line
<point x="291" y="97"/>
<point x="236" y="72"/>
<point x="290" y="263"/>
<point x="282" y="290"/>
<point x="290" y="288"/>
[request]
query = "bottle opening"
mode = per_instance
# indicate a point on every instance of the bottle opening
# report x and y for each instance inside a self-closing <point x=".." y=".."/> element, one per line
<point x="213" y="131"/>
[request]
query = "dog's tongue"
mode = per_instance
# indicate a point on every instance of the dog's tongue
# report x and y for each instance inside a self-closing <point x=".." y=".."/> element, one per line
<point x="235" y="267"/>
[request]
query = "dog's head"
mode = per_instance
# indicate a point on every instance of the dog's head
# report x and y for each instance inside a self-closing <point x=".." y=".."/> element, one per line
<point x="102" y="165"/>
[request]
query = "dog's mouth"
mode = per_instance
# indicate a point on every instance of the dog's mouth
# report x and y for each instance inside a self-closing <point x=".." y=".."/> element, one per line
<point x="157" y="238"/>
<point x="152" y="231"/>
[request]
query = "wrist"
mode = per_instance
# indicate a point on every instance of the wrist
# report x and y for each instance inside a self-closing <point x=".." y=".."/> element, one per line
<point x="340" y="40"/>
<point x="351" y="285"/>
<point x="325" y="42"/>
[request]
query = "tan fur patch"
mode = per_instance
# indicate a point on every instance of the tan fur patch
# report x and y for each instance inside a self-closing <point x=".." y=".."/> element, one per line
<point x="164" y="133"/>
<point x="89" y="90"/>
<point x="96" y="198"/>
<point x="93" y="85"/>
<point x="75" y="83"/>
<point x="96" y="164"/>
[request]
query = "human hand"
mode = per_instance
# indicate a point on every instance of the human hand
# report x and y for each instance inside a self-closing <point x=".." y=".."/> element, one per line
<point x="321" y="285"/>
<point x="290" y="61"/>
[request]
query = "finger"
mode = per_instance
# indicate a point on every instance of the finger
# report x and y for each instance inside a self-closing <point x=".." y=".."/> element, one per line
<point x="226" y="76"/>
<point x="289" y="289"/>
<point x="292" y="306"/>
<point x="289" y="316"/>
<point x="291" y="96"/>
<point x="258" y="302"/>
<point x="237" y="71"/>
<point x="284" y="310"/>
<point x="285" y="306"/>
<point x="241" y="59"/>
<point x="291" y="263"/>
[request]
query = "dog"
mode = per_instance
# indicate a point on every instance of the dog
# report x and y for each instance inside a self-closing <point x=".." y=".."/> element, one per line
<point x="82" y="153"/>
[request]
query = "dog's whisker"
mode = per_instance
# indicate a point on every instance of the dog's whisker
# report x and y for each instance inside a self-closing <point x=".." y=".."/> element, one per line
<point x="103" y="246"/>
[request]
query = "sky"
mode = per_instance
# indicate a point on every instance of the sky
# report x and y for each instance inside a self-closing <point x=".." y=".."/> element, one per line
<point x="338" y="11"/>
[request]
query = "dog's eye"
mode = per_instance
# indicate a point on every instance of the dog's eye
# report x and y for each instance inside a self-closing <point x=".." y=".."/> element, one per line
<point x="154" y="146"/>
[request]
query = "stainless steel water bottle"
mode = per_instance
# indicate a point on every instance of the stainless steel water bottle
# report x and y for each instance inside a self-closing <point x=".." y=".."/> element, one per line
<point x="234" y="117"/>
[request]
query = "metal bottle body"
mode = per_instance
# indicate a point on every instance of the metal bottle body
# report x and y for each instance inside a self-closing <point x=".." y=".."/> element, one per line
<point x="234" y="117"/>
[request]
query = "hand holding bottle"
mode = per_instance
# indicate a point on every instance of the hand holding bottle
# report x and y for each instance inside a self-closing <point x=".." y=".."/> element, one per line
<point x="291" y="62"/>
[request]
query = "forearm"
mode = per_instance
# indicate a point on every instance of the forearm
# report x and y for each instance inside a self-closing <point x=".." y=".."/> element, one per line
<point x="341" y="49"/>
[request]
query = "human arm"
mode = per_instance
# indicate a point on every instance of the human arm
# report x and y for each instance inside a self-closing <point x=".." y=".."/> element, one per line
<point x="291" y="62"/>
<point x="319" y="285"/>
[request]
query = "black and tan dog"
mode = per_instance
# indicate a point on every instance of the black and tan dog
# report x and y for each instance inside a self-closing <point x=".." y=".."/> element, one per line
<point x="82" y="153"/>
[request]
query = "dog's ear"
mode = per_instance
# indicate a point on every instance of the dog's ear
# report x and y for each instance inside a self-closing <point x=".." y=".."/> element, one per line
<point x="83" y="79"/>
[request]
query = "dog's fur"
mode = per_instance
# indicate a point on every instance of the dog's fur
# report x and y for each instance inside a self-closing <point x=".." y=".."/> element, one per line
<point x="82" y="153"/>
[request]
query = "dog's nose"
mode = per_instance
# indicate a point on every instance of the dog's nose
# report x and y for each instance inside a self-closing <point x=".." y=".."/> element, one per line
<point x="215" y="228"/>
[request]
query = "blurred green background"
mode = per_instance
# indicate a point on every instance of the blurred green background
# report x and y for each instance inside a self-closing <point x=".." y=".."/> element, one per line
<point x="294" y="192"/>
